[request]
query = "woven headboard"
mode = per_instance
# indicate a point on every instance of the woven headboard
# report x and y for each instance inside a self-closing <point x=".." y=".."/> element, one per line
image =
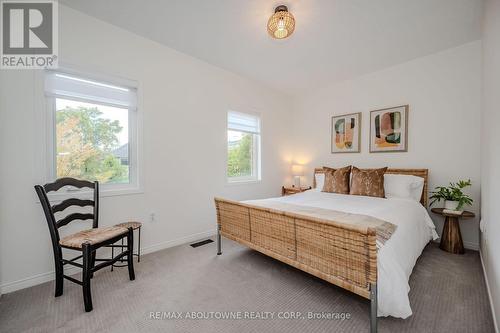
<point x="424" y="173"/>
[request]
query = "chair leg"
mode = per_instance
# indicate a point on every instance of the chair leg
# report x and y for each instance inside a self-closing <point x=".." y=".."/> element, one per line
<point x="87" y="271"/>
<point x="92" y="263"/>
<point x="112" y="256"/>
<point x="130" y="254"/>
<point x="139" y="247"/>
<point x="59" y="278"/>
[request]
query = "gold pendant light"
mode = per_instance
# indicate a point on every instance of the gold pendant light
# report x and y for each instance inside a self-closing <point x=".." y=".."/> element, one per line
<point x="281" y="24"/>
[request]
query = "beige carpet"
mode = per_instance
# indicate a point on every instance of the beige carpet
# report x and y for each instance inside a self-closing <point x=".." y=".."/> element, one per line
<point x="448" y="294"/>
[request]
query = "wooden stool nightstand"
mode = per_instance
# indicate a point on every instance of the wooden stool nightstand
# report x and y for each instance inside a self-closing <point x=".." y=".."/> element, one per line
<point x="288" y="190"/>
<point x="451" y="238"/>
<point x="135" y="226"/>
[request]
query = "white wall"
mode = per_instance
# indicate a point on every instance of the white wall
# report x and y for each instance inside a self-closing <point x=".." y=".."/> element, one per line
<point x="184" y="104"/>
<point x="443" y="91"/>
<point x="490" y="153"/>
<point x="182" y="95"/>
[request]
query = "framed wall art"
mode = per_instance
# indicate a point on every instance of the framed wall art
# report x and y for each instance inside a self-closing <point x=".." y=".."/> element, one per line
<point x="346" y="133"/>
<point x="389" y="130"/>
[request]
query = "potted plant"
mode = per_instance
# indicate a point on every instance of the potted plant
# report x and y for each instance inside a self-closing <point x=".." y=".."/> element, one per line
<point x="454" y="198"/>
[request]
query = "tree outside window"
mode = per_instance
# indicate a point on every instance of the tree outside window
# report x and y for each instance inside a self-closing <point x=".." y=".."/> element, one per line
<point x="91" y="142"/>
<point x="243" y="147"/>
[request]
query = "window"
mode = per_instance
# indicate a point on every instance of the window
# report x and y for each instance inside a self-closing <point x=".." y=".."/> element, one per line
<point x="243" y="147"/>
<point x="93" y="130"/>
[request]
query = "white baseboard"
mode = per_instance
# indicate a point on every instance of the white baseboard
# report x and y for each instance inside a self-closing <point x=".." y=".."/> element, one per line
<point x="467" y="245"/>
<point x="489" y="293"/>
<point x="34" y="280"/>
<point x="49" y="276"/>
<point x="178" y="241"/>
<point x="471" y="246"/>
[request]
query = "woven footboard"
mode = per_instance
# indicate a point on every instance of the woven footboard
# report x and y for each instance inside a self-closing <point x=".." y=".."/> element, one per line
<point x="342" y="255"/>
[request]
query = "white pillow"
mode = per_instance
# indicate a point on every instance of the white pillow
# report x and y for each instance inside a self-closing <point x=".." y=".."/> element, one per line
<point x="403" y="186"/>
<point x="320" y="181"/>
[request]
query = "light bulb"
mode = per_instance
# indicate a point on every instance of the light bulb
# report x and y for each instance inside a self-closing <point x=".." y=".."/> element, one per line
<point x="281" y="24"/>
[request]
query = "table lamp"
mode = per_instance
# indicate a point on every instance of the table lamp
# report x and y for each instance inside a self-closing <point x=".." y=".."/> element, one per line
<point x="297" y="171"/>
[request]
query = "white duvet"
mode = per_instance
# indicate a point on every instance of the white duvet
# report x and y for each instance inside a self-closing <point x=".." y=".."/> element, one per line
<point x="397" y="257"/>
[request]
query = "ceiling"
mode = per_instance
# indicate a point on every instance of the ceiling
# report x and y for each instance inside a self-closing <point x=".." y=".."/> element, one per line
<point x="334" y="40"/>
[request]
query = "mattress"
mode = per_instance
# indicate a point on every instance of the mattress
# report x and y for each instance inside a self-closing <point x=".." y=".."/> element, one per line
<point x="397" y="257"/>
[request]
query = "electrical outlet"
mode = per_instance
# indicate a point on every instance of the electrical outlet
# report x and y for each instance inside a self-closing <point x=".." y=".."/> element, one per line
<point x="152" y="217"/>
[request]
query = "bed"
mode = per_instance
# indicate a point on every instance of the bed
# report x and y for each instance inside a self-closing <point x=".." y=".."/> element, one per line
<point x="346" y="255"/>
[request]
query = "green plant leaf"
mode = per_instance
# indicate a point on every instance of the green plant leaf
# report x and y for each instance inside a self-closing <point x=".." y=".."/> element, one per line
<point x="452" y="193"/>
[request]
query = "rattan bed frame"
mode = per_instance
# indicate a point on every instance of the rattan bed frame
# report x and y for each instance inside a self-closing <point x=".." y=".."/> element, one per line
<point x="345" y="256"/>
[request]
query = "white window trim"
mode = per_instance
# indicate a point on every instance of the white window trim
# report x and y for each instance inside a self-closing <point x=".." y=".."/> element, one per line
<point x="47" y="140"/>
<point x="257" y="152"/>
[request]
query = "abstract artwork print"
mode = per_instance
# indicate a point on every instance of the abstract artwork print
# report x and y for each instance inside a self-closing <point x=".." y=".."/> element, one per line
<point x="389" y="130"/>
<point x="346" y="132"/>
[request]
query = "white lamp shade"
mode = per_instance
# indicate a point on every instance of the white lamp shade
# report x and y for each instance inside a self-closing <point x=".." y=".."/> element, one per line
<point x="297" y="170"/>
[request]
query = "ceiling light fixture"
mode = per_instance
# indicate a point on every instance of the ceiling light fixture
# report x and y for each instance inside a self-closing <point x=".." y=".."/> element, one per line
<point x="281" y="24"/>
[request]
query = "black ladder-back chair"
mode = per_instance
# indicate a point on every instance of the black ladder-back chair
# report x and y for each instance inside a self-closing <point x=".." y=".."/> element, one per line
<point x="87" y="241"/>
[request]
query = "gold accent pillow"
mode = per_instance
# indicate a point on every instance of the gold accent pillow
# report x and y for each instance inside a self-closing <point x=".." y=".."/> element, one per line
<point x="337" y="180"/>
<point x="368" y="182"/>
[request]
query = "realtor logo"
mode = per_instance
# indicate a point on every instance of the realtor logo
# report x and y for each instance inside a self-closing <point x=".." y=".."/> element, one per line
<point x="29" y="34"/>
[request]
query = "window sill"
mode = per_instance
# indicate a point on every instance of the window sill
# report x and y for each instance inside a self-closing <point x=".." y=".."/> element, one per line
<point x="86" y="194"/>
<point x="243" y="182"/>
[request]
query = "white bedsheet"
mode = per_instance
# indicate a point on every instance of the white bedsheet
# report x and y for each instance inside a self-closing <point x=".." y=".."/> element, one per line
<point x="396" y="259"/>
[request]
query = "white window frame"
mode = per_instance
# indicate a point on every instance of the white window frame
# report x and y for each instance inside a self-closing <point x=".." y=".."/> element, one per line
<point x="134" y="186"/>
<point x="256" y="176"/>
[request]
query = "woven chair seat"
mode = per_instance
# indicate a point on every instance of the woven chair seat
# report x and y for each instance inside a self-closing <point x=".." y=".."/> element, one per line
<point x="132" y="224"/>
<point x="91" y="236"/>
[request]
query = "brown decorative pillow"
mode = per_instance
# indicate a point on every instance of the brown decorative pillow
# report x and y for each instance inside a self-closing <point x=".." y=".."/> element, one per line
<point x="368" y="182"/>
<point x="337" y="180"/>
